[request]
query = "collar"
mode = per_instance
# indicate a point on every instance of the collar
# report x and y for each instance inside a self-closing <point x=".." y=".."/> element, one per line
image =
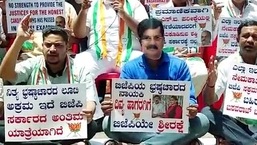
<point x="239" y="58"/>
<point x="234" y="10"/>
<point x="44" y="68"/>
<point x="164" y="59"/>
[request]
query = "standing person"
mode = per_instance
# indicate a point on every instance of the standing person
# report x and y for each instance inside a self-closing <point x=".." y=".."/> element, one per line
<point x="111" y="29"/>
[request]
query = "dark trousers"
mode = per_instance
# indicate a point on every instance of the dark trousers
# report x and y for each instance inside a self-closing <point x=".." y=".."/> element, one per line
<point x="91" y="131"/>
<point x="228" y="128"/>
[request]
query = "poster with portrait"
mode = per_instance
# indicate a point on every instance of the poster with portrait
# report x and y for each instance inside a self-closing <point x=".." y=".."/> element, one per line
<point x="150" y="106"/>
<point x="186" y="26"/>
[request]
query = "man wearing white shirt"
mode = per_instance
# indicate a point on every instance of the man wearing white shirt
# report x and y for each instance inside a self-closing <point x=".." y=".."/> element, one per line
<point x="111" y="29"/>
<point x="233" y="9"/>
<point x="233" y="130"/>
<point x="54" y="67"/>
<point x="158" y="107"/>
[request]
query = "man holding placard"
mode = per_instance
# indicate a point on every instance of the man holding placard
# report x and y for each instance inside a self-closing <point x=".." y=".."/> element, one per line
<point x="155" y="64"/>
<point x="238" y="131"/>
<point x="190" y="53"/>
<point x="54" y="67"/>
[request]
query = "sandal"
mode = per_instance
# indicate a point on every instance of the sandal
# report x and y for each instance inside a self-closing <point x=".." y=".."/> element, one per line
<point x="111" y="142"/>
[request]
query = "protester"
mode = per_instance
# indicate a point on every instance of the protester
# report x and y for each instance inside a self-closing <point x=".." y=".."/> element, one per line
<point x="233" y="130"/>
<point x="111" y="28"/>
<point x="155" y="64"/>
<point x="53" y="67"/>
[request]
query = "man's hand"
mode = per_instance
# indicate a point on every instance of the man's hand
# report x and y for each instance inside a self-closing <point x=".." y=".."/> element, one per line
<point x="217" y="9"/>
<point x="88" y="114"/>
<point x="117" y="6"/>
<point x="212" y="71"/>
<point x="86" y="4"/>
<point x="23" y="30"/>
<point x="107" y="107"/>
<point x="192" y="111"/>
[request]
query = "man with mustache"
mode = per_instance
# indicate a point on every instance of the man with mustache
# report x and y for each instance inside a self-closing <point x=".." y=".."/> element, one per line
<point x="53" y="67"/>
<point x="238" y="131"/>
<point x="192" y="55"/>
<point x="155" y="64"/>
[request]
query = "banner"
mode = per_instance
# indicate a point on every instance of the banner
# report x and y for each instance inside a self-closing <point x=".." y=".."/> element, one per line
<point x="43" y="13"/>
<point x="44" y="112"/>
<point x="240" y="97"/>
<point x="186" y="26"/>
<point x="150" y="106"/>
<point x="227" y="36"/>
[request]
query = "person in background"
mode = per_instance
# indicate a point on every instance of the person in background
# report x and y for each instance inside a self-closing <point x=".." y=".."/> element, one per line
<point x="111" y="28"/>
<point x="155" y="64"/>
<point x="54" y="67"/>
<point x="228" y="129"/>
<point x="158" y="107"/>
<point x="60" y="21"/>
<point x="33" y="46"/>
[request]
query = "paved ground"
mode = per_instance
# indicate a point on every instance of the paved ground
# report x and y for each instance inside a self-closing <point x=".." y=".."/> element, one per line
<point x="99" y="138"/>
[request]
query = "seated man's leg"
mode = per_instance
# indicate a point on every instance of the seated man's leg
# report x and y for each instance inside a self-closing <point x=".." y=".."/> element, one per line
<point x="229" y="128"/>
<point x="198" y="127"/>
<point x="126" y="137"/>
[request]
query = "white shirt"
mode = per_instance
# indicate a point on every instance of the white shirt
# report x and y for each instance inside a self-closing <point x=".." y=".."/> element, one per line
<point x="222" y="79"/>
<point x="230" y="11"/>
<point x="80" y="74"/>
<point x="112" y="27"/>
<point x="223" y="71"/>
<point x="158" y="108"/>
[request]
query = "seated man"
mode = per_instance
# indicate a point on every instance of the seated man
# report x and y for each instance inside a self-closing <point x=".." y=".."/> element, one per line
<point x="236" y="131"/>
<point x="157" y="65"/>
<point x="53" y="67"/>
<point x="192" y="55"/>
<point x="111" y="29"/>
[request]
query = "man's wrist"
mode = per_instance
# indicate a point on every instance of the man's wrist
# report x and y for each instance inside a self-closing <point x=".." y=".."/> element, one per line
<point x="122" y="14"/>
<point x="210" y="86"/>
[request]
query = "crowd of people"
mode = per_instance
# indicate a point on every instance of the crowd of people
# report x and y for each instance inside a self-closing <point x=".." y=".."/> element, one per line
<point x="120" y="36"/>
